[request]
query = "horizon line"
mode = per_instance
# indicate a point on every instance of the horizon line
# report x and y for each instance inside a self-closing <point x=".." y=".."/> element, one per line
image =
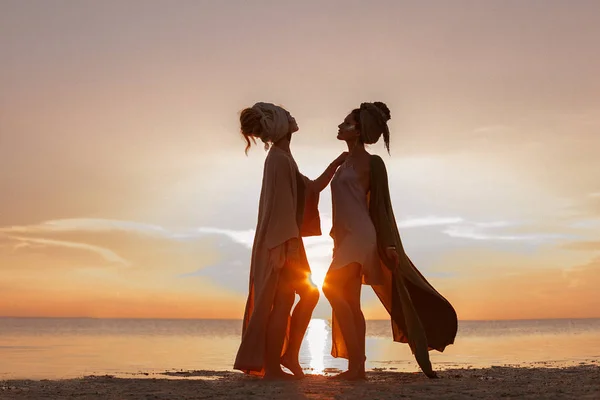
<point x="327" y="319"/>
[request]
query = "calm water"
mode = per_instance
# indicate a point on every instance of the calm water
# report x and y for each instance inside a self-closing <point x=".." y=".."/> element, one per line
<point x="60" y="348"/>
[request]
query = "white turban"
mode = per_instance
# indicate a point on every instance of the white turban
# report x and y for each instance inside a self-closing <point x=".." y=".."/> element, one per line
<point x="275" y="122"/>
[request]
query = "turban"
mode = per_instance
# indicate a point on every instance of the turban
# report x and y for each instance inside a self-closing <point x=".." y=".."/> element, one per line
<point x="274" y="121"/>
<point x="373" y="123"/>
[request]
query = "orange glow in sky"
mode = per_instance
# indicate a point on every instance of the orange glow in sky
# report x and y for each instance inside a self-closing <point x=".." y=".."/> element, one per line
<point x="125" y="191"/>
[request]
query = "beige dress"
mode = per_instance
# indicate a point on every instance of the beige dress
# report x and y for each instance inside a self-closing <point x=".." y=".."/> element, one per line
<point x="353" y="232"/>
<point x="288" y="209"/>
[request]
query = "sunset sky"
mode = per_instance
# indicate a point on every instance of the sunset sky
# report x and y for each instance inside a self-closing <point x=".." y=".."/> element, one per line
<point x="125" y="191"/>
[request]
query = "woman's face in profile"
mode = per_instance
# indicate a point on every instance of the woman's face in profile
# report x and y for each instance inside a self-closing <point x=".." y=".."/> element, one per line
<point x="347" y="130"/>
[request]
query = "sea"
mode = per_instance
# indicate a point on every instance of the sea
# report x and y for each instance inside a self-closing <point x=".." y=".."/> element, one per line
<point x="56" y="348"/>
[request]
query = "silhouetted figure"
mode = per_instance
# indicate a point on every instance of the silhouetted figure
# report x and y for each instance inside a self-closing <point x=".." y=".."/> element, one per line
<point x="368" y="249"/>
<point x="279" y="268"/>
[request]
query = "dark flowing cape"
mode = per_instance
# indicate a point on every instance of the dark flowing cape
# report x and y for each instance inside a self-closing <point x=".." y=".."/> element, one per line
<point x="420" y="315"/>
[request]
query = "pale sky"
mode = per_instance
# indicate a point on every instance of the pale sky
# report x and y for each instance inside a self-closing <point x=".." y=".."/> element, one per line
<point x="125" y="191"/>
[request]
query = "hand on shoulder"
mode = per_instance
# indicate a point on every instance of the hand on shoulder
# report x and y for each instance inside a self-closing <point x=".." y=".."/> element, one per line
<point x="341" y="158"/>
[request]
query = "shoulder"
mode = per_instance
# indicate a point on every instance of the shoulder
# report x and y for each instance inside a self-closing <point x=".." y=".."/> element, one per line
<point x="278" y="159"/>
<point x="379" y="176"/>
<point x="377" y="163"/>
<point x="376" y="159"/>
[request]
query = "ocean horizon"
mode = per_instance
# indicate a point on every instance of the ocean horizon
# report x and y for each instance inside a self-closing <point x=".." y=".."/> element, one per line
<point x="240" y="319"/>
<point x="67" y="347"/>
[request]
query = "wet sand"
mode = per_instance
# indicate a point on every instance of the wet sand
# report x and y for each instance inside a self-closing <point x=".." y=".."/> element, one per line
<point x="534" y="382"/>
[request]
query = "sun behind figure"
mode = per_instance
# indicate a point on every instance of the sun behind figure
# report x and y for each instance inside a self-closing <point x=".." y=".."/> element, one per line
<point x="318" y="276"/>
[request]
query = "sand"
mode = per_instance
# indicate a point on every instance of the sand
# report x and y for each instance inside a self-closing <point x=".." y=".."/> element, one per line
<point x="533" y="382"/>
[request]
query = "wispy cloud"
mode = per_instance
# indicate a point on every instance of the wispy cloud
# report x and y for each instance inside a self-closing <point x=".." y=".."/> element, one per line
<point x="88" y="225"/>
<point x="428" y="221"/>
<point x="590" y="223"/>
<point x="127" y="243"/>
<point x="105" y="225"/>
<point x="490" y="231"/>
<point x="245" y="237"/>
<point x="108" y="255"/>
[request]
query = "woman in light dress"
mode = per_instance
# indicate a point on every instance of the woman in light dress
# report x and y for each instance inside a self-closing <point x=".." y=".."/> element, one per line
<point x="368" y="250"/>
<point x="279" y="268"/>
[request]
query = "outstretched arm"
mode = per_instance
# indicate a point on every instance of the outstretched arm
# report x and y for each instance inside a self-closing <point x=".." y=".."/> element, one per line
<point x="322" y="181"/>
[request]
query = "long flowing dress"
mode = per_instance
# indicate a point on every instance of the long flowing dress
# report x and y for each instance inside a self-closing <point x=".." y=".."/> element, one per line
<point x="363" y="227"/>
<point x="287" y="210"/>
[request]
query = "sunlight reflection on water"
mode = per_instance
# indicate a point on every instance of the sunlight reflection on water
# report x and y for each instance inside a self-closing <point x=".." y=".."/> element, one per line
<point x="316" y="337"/>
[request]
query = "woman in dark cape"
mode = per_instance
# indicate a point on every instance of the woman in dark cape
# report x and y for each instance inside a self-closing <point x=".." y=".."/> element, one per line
<point x="368" y="250"/>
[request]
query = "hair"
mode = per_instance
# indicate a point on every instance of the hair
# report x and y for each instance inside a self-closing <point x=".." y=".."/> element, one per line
<point x="387" y="114"/>
<point x="250" y="127"/>
<point x="384" y="109"/>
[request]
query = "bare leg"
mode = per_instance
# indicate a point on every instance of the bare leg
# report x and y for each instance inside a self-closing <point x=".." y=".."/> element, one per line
<point x="276" y="330"/>
<point x="335" y="291"/>
<point x="352" y="292"/>
<point x="309" y="296"/>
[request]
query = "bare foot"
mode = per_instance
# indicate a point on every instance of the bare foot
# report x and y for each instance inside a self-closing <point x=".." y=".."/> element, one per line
<point x="350" y="375"/>
<point x="293" y="365"/>
<point x="362" y="371"/>
<point x="278" y="375"/>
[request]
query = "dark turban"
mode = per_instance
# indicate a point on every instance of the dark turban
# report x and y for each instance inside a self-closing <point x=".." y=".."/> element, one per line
<point x="373" y="124"/>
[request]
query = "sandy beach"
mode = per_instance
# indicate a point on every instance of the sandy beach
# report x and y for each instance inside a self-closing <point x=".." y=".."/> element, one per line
<point x="545" y="381"/>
